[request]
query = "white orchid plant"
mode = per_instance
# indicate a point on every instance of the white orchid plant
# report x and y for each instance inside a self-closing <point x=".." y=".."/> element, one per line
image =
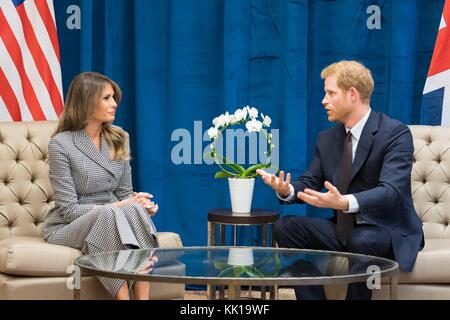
<point x="247" y="116"/>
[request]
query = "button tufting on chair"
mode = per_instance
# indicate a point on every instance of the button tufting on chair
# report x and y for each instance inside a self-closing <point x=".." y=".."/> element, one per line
<point x="30" y="268"/>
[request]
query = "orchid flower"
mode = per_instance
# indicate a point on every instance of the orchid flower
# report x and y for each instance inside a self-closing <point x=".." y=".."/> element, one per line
<point x="253" y="125"/>
<point x="248" y="116"/>
<point x="266" y="120"/>
<point x="213" y="132"/>
<point x="252" y="112"/>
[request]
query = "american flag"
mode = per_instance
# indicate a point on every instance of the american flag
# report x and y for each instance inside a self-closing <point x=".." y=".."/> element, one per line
<point x="30" y="69"/>
<point x="436" y="93"/>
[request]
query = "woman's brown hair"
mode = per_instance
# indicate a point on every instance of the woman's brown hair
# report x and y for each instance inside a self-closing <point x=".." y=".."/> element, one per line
<point x="83" y="97"/>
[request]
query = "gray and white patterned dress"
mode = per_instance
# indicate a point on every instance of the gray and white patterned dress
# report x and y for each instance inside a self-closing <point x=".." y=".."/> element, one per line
<point x="83" y="177"/>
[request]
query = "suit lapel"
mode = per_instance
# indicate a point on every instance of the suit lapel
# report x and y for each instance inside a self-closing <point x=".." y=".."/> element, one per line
<point x="85" y="145"/>
<point x="365" y="143"/>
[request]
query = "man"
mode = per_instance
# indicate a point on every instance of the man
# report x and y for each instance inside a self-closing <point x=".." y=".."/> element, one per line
<point x="365" y="164"/>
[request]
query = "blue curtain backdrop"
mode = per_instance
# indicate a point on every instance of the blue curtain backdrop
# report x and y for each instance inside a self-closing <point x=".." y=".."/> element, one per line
<point x="181" y="61"/>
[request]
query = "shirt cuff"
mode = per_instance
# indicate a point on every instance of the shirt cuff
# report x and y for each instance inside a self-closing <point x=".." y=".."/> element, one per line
<point x="353" y="205"/>
<point x="289" y="197"/>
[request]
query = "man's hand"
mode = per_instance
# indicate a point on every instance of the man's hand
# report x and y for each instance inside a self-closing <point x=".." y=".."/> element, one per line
<point x="278" y="184"/>
<point x="331" y="199"/>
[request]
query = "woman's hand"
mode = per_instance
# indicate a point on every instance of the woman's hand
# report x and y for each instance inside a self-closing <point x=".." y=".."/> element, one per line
<point x="120" y="204"/>
<point x="143" y="198"/>
<point x="148" y="265"/>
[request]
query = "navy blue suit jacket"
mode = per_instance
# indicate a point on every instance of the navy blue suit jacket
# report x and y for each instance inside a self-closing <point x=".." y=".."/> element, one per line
<point x="380" y="181"/>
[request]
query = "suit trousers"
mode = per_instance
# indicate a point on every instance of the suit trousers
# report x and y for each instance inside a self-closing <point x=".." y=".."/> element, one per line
<point x="321" y="234"/>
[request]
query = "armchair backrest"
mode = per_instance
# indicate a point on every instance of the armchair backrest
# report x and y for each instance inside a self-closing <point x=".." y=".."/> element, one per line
<point x="25" y="191"/>
<point x="431" y="179"/>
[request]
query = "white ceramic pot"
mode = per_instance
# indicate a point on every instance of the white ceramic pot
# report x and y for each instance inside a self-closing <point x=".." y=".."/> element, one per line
<point x="241" y="194"/>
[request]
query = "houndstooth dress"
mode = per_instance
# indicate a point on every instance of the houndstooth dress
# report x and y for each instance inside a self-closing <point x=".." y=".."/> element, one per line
<point x="83" y="177"/>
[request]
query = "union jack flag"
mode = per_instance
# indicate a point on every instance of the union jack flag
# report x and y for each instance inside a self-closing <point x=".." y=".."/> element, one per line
<point x="436" y="93"/>
<point x="30" y="69"/>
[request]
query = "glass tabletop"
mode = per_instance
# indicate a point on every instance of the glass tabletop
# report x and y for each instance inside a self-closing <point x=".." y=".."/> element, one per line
<point x="237" y="265"/>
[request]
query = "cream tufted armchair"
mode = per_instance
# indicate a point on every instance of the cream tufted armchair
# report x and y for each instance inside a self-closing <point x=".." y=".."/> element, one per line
<point x="430" y="278"/>
<point x="30" y="268"/>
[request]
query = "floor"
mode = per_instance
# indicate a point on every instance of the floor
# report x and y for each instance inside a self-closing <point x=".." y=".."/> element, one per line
<point x="283" y="294"/>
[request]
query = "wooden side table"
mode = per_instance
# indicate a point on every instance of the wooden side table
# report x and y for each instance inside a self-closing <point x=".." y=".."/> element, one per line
<point x="224" y="217"/>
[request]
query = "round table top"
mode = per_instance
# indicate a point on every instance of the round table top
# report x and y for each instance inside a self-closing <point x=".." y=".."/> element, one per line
<point x="256" y="216"/>
<point x="236" y="265"/>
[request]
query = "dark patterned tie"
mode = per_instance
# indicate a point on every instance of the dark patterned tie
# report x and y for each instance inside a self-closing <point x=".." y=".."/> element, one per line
<point x="345" y="220"/>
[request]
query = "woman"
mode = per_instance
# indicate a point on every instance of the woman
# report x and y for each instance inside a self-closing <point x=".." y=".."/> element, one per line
<point x="95" y="208"/>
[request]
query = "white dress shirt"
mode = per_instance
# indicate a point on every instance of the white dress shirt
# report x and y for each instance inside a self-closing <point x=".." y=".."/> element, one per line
<point x="356" y="131"/>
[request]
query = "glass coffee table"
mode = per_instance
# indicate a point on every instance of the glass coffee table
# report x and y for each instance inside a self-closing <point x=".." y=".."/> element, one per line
<point x="239" y="266"/>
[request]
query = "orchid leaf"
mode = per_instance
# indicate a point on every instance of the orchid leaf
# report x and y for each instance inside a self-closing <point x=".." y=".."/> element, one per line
<point x="227" y="273"/>
<point x="252" y="169"/>
<point x="238" y="271"/>
<point x="220" y="265"/>
<point x="238" y="168"/>
<point x="222" y="174"/>
<point x="230" y="164"/>
<point x="253" y="272"/>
